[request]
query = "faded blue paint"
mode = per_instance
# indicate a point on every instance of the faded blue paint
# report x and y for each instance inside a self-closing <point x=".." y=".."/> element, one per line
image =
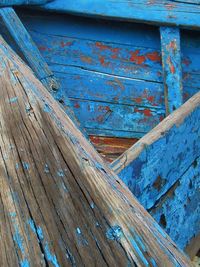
<point x="17" y="166"/>
<point x="13" y="100"/>
<point x="139" y="252"/>
<point x="172" y="69"/>
<point x="24" y="263"/>
<point x="32" y="225"/>
<point x="47" y="108"/>
<point x="25" y="165"/>
<point x="114" y="233"/>
<point x="60" y="173"/>
<point x="46" y="168"/>
<point x="18" y="239"/>
<point x="40" y="233"/>
<point x="78" y="230"/>
<point x="50" y="257"/>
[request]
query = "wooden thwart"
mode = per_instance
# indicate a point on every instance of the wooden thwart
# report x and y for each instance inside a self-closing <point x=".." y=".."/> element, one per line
<point x="60" y="204"/>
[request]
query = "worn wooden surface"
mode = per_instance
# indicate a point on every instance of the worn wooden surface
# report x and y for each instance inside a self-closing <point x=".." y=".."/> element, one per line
<point x="115" y="71"/>
<point x="22" y="2"/>
<point x="60" y="205"/>
<point x="172" y="67"/>
<point x="155" y="12"/>
<point x="111" y="148"/>
<point x="162" y="170"/>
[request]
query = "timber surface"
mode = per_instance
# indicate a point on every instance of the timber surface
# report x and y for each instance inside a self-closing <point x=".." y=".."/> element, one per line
<point x="163" y="171"/>
<point x="111" y="71"/>
<point x="178" y="13"/>
<point x="60" y="205"/>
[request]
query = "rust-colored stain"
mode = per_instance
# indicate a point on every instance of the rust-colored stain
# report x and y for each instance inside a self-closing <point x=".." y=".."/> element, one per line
<point x="154" y="56"/>
<point x="150" y="98"/>
<point x="136" y="58"/>
<point x="103" y="47"/>
<point x="186" y="61"/>
<point x="171" y="66"/>
<point x="102" y="108"/>
<point x="140" y="59"/>
<point x="170" y="6"/>
<point x="64" y="44"/>
<point x="77" y="105"/>
<point x="86" y="59"/>
<point x="42" y="48"/>
<point x="138" y="100"/>
<point x="102" y="61"/>
<point x="146" y="112"/>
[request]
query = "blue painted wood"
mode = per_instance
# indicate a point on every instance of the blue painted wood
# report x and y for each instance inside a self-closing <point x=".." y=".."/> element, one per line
<point x="158" y="165"/>
<point x="157" y="12"/>
<point x="63" y="205"/>
<point x="22" y="2"/>
<point x="172" y="69"/>
<point x="95" y="57"/>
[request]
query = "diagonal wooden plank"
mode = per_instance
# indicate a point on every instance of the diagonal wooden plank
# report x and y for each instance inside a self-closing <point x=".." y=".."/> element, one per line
<point x="172" y="67"/>
<point x="64" y="206"/>
<point x="163" y="171"/>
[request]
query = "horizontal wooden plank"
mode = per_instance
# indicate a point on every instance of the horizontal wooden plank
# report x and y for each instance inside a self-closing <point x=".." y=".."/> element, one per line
<point x="110" y="147"/>
<point x="162" y="160"/>
<point x="63" y="205"/>
<point x="22" y="2"/>
<point x="156" y="12"/>
<point x="116" y="118"/>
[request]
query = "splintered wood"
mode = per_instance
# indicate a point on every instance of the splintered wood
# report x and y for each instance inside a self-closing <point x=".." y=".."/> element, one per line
<point x="60" y="205"/>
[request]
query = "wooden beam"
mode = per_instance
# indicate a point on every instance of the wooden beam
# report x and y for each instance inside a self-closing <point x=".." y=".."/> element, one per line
<point x="22" y="2"/>
<point x="60" y="204"/>
<point x="163" y="171"/>
<point x="156" y="12"/>
<point x="172" y="69"/>
<point x="30" y="53"/>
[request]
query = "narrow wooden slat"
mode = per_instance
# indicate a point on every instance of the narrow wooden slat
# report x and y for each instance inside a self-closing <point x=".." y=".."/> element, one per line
<point x="156" y="12"/>
<point x="23" y="2"/>
<point x="163" y="171"/>
<point x="59" y="196"/>
<point x="172" y="69"/>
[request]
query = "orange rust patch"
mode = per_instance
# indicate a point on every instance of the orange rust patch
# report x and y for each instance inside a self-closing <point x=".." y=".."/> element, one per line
<point x="154" y="56"/>
<point x="146" y="112"/>
<point x="86" y="59"/>
<point x="77" y="105"/>
<point x="63" y="44"/>
<point x="136" y="58"/>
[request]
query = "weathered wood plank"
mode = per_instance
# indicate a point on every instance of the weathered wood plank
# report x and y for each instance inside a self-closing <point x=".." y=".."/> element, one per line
<point x="156" y="12"/>
<point x="22" y="2"/>
<point x="64" y="206"/>
<point x="172" y="69"/>
<point x="162" y="159"/>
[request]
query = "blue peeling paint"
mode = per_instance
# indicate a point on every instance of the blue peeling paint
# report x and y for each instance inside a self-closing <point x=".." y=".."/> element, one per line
<point x="24" y="263"/>
<point x="40" y="233"/>
<point x="78" y="230"/>
<point x="25" y="165"/>
<point x="60" y="173"/>
<point x="139" y="252"/>
<point x="47" y="108"/>
<point x="18" y="239"/>
<point x="92" y="205"/>
<point x="154" y="263"/>
<point x="13" y="99"/>
<point x="32" y="225"/>
<point x="17" y="166"/>
<point x="114" y="233"/>
<point x="50" y="257"/>
<point x="46" y="168"/>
